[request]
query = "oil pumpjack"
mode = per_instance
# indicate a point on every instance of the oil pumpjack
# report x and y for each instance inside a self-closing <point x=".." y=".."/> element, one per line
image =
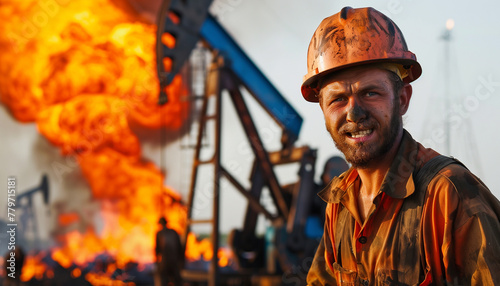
<point x="231" y="70"/>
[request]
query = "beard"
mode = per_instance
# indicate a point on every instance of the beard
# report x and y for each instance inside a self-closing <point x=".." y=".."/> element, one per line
<point x="362" y="154"/>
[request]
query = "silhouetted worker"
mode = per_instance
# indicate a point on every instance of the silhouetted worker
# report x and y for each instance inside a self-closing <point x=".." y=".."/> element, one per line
<point x="169" y="255"/>
<point x="13" y="265"/>
<point x="333" y="167"/>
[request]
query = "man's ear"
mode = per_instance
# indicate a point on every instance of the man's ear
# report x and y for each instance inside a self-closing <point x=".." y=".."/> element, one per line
<point x="404" y="98"/>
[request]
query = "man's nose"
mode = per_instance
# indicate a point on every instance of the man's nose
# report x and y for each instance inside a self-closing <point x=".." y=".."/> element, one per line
<point x="355" y="112"/>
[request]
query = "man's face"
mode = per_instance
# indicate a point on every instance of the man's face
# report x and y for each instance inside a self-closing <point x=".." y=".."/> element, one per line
<point x="361" y="113"/>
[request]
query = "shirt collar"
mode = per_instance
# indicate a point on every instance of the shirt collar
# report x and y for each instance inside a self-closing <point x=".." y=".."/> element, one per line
<point x="398" y="182"/>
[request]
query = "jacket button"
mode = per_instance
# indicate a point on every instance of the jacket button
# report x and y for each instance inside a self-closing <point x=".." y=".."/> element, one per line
<point x="363" y="240"/>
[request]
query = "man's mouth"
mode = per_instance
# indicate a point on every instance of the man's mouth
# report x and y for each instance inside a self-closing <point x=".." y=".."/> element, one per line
<point x="359" y="134"/>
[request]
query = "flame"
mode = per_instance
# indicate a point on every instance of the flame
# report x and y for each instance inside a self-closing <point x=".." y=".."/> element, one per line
<point x="68" y="218"/>
<point x="78" y="248"/>
<point x="84" y="71"/>
<point x="33" y="267"/>
<point x="76" y="273"/>
<point x="225" y="256"/>
<point x="198" y="249"/>
<point x="202" y="249"/>
<point x="98" y="279"/>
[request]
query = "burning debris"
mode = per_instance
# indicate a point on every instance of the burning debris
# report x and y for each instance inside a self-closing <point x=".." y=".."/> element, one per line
<point x="84" y="71"/>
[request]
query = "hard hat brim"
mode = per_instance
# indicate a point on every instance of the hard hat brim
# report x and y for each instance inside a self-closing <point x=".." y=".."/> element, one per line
<point x="309" y="87"/>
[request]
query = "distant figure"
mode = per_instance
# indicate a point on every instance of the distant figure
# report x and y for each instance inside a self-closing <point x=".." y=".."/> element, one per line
<point x="333" y="167"/>
<point x="169" y="255"/>
<point x="13" y="273"/>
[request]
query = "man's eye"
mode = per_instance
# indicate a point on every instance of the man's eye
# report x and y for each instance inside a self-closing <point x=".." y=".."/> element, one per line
<point x="371" y="93"/>
<point x="337" y="99"/>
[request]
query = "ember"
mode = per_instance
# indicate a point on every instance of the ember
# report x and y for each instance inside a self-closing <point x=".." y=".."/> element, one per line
<point x="84" y="71"/>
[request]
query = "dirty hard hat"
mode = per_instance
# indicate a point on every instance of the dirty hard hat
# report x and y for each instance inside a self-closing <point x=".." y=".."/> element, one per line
<point x="356" y="37"/>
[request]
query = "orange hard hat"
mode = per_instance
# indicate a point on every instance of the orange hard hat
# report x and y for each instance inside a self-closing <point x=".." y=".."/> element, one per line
<point x="355" y="37"/>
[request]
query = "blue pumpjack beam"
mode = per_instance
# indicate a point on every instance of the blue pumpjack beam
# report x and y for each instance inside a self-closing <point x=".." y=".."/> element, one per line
<point x="258" y="84"/>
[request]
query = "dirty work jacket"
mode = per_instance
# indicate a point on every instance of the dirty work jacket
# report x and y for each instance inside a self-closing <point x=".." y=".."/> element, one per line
<point x="460" y="232"/>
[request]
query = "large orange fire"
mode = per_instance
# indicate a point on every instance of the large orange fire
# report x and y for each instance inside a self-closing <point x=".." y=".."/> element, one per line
<point x="84" y="71"/>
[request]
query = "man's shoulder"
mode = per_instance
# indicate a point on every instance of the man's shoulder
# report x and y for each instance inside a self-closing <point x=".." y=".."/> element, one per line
<point x="172" y="232"/>
<point x="456" y="185"/>
<point x="458" y="178"/>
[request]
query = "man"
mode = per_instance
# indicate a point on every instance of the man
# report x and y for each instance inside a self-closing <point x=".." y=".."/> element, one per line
<point x="169" y="256"/>
<point x="389" y="219"/>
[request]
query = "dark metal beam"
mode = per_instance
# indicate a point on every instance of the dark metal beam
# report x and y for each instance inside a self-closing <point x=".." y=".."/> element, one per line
<point x="231" y="83"/>
<point x="253" y="202"/>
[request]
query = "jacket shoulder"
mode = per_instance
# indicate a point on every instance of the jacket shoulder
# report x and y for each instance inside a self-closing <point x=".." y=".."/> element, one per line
<point x="455" y="184"/>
